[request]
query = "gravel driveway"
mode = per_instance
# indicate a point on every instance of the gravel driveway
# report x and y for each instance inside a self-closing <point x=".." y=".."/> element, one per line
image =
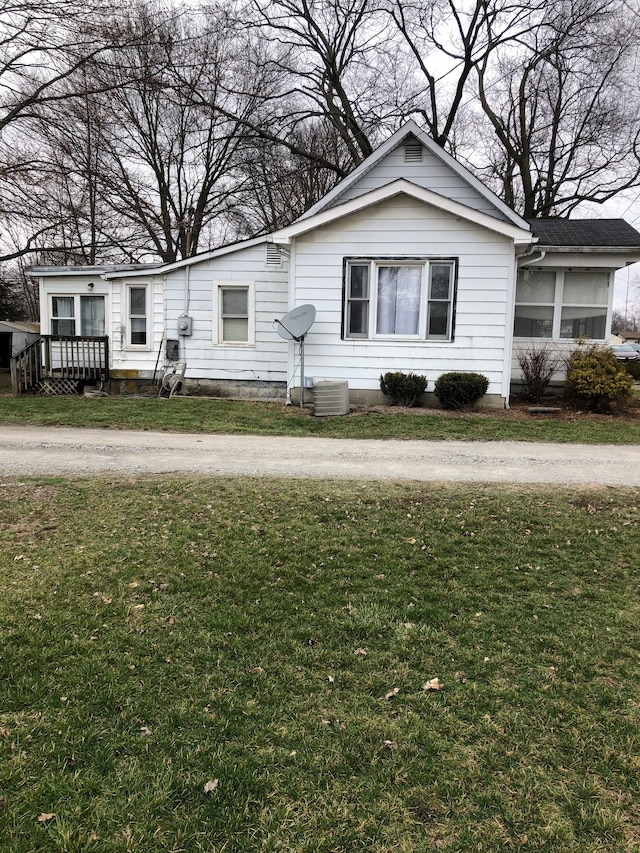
<point x="40" y="451"/>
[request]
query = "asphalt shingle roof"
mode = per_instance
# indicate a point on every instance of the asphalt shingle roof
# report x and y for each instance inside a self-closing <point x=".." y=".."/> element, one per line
<point x="585" y="232"/>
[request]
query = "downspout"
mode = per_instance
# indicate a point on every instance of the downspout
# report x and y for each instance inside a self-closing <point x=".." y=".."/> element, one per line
<point x="291" y="347"/>
<point x="185" y="305"/>
<point x="187" y="295"/>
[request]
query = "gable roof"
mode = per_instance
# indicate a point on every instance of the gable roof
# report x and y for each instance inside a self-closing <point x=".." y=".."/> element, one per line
<point x="575" y="233"/>
<point x="19" y="326"/>
<point x="201" y="256"/>
<point x="411" y="129"/>
<point x="520" y="235"/>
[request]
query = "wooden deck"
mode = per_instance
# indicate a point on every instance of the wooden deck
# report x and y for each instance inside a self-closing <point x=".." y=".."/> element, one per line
<point x="60" y="364"/>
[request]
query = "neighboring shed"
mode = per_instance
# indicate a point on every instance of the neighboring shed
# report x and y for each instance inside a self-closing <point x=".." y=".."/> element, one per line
<point x="14" y="336"/>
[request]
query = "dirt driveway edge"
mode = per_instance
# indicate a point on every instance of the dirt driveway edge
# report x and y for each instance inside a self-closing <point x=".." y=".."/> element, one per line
<point x="47" y="451"/>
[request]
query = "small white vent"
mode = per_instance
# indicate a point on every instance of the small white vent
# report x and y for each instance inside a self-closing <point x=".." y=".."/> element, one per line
<point x="274" y="256"/>
<point x="412" y="151"/>
<point x="331" y="398"/>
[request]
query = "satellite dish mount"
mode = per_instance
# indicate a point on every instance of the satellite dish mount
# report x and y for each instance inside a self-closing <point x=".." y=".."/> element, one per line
<point x="293" y="327"/>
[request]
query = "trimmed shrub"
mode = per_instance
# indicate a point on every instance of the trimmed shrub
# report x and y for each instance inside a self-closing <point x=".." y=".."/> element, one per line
<point x="596" y="379"/>
<point x="404" y="389"/>
<point x="457" y="390"/>
<point x="538" y="364"/>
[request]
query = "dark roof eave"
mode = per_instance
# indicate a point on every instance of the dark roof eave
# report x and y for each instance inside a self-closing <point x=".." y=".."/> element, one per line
<point x="613" y="250"/>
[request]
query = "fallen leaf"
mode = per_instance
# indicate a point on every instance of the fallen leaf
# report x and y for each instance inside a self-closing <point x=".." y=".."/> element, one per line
<point x="45" y="816"/>
<point x="210" y="786"/>
<point x="171" y="620"/>
<point x="392" y="693"/>
<point x="433" y="684"/>
<point x="361" y="652"/>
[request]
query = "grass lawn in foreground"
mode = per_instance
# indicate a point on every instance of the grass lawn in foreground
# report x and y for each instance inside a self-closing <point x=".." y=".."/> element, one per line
<point x="202" y="414"/>
<point x="271" y="641"/>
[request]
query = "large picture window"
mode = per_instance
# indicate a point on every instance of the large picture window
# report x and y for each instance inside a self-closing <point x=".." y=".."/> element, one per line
<point x="399" y="299"/>
<point x="561" y="305"/>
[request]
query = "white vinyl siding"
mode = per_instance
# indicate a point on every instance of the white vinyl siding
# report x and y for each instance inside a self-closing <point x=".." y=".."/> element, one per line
<point x="404" y="228"/>
<point x="426" y="171"/>
<point x="264" y="356"/>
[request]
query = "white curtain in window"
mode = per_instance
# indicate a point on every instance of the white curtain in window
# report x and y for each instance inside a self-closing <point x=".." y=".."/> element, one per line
<point x="92" y="315"/>
<point x="398" y="306"/>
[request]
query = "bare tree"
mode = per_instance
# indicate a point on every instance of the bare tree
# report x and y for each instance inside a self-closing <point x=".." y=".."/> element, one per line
<point x="44" y="44"/>
<point x="446" y="42"/>
<point x="563" y="108"/>
<point x="280" y="185"/>
<point x="325" y="56"/>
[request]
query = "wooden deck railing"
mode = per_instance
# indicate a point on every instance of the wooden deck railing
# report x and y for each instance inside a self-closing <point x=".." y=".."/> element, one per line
<point x="57" y="364"/>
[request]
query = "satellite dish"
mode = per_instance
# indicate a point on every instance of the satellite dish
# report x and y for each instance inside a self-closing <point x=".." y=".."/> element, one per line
<point x="293" y="327"/>
<point x="296" y="323"/>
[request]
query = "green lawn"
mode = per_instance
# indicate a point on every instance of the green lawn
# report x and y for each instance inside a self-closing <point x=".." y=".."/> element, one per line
<point x="200" y="414"/>
<point x="271" y="641"/>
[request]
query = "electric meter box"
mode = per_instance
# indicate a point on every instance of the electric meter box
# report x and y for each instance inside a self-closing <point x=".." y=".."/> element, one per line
<point x="185" y="325"/>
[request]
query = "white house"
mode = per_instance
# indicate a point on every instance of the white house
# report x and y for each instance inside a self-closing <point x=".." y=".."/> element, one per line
<point x="411" y="265"/>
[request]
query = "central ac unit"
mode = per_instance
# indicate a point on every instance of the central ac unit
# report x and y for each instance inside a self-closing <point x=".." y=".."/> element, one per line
<point x="331" y="398"/>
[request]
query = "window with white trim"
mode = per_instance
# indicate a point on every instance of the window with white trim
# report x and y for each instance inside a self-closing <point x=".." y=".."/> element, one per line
<point x="63" y="315"/>
<point x="405" y="299"/>
<point x="66" y="310"/>
<point x="234" y="323"/>
<point x="137" y="312"/>
<point x="561" y="304"/>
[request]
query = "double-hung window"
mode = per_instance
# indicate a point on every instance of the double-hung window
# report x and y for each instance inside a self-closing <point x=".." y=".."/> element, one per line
<point x="63" y="315"/>
<point x="137" y="316"/>
<point x="399" y="299"/>
<point x="561" y="304"/>
<point x="234" y="321"/>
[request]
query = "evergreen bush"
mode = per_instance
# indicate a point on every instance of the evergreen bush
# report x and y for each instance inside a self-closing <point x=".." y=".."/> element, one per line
<point x="596" y="379"/>
<point x="458" y="390"/>
<point x="404" y="389"/>
<point x="633" y="368"/>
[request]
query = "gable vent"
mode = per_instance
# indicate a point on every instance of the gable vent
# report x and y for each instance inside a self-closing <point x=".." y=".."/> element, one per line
<point x="413" y="152"/>
<point x="274" y="256"/>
